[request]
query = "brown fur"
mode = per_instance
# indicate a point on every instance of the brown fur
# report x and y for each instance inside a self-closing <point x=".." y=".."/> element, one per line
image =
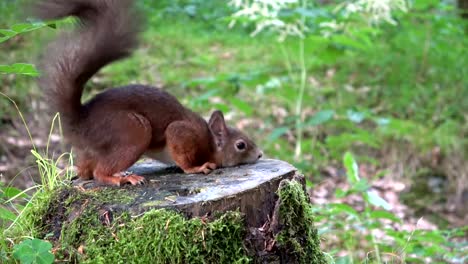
<point x="116" y="127"/>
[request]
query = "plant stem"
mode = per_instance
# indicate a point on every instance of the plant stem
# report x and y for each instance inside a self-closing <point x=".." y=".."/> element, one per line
<point x="374" y="241"/>
<point x="427" y="46"/>
<point x="287" y="61"/>
<point x="300" y="97"/>
<point x="22" y="118"/>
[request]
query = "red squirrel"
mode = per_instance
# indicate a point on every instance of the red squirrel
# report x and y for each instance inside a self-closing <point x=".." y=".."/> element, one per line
<point x="114" y="129"/>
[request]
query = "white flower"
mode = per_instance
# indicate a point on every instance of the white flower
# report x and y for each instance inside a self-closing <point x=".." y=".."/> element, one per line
<point x="265" y="14"/>
<point x="376" y="11"/>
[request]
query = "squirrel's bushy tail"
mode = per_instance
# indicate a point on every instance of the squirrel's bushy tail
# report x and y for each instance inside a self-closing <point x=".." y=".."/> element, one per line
<point x="107" y="32"/>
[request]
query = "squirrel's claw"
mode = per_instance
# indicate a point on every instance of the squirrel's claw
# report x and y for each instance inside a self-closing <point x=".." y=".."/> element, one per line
<point x="208" y="167"/>
<point x="133" y="179"/>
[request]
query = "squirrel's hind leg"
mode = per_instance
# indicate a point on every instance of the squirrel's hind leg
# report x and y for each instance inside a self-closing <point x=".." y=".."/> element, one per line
<point x="85" y="166"/>
<point x="133" y="136"/>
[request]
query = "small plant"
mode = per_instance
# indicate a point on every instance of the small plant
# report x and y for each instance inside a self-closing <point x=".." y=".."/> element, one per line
<point x="33" y="251"/>
<point x="372" y="229"/>
<point x="20" y="223"/>
<point x="296" y="18"/>
<point x="16" y="205"/>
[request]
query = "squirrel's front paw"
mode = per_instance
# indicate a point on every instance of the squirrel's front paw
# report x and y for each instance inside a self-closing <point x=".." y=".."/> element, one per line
<point x="205" y="168"/>
<point x="208" y="167"/>
<point x="133" y="179"/>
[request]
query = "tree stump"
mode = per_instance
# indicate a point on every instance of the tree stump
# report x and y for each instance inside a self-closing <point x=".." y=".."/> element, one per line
<point x="258" y="212"/>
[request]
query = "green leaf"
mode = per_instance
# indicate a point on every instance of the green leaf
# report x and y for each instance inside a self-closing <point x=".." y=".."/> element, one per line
<point x="19" y="28"/>
<point x="344" y="208"/>
<point x="424" y="5"/>
<point x="344" y="260"/>
<point x="33" y="251"/>
<point x="380" y="214"/>
<point x="7" y="214"/>
<point x="348" y="139"/>
<point x="349" y="42"/>
<point x="222" y="107"/>
<point x="374" y="199"/>
<point x="20" y="68"/>
<point x="200" y="81"/>
<point x="205" y="96"/>
<point x="6" y="34"/>
<point x="341" y="193"/>
<point x="321" y="117"/>
<point x="400" y="237"/>
<point x="402" y="128"/>
<point x="9" y="192"/>
<point x="432" y="237"/>
<point x="242" y="105"/>
<point x="361" y="186"/>
<point x="351" y="168"/>
<point x="277" y="132"/>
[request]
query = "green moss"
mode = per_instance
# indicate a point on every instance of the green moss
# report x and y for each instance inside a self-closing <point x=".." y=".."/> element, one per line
<point x="298" y="236"/>
<point x="111" y="195"/>
<point x="30" y="224"/>
<point x="49" y="207"/>
<point x="75" y="219"/>
<point x="158" y="236"/>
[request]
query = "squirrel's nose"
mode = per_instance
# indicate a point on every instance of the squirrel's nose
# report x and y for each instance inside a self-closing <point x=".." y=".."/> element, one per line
<point x="260" y="154"/>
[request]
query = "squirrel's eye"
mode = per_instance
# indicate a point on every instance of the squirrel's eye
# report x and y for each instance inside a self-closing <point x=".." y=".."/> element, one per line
<point x="240" y="145"/>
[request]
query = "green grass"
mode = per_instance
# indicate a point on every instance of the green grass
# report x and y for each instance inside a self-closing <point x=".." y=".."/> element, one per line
<point x="176" y="52"/>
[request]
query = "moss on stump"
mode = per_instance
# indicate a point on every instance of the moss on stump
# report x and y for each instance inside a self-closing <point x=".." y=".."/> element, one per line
<point x="96" y="224"/>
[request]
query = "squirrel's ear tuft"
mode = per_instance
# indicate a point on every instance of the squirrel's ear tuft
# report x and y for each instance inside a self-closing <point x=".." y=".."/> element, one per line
<point x="218" y="128"/>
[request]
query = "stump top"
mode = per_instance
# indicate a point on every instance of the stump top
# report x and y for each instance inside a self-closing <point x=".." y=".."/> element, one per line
<point x="168" y="187"/>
